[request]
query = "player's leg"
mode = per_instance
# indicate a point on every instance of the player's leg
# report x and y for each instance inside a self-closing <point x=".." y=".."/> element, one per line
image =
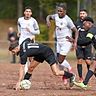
<point x="61" y="55"/>
<point x="27" y="64"/>
<point x="62" y="52"/>
<point x="88" y="55"/>
<point x="31" y="67"/>
<point x="56" y="71"/>
<point x="80" y="56"/>
<point x="89" y="74"/>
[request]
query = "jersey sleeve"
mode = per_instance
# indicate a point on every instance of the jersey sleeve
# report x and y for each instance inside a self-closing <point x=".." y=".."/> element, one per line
<point x="53" y="16"/>
<point x="70" y="23"/>
<point x="86" y="40"/>
<point x="18" y="26"/>
<point x="36" y="28"/>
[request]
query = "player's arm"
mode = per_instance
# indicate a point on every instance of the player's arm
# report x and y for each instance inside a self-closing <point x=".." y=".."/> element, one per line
<point x="23" y="60"/>
<point x="35" y="30"/>
<point x="19" y="29"/>
<point x="86" y="40"/>
<point x="74" y="29"/>
<point x="48" y="18"/>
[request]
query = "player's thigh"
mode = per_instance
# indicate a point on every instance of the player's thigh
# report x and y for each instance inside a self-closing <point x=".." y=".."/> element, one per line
<point x="64" y="47"/>
<point x="79" y="53"/>
<point x="88" y="53"/>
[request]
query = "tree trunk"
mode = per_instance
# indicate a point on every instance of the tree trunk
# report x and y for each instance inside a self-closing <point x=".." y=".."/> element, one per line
<point x="20" y="8"/>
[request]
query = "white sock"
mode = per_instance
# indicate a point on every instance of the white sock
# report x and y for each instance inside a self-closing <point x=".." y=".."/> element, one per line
<point x="26" y="66"/>
<point x="65" y="64"/>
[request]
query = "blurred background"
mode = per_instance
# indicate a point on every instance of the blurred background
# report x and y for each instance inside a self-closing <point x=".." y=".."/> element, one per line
<point x="10" y="10"/>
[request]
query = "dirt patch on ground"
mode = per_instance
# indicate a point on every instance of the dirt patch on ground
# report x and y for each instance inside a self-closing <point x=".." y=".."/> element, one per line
<point x="44" y="83"/>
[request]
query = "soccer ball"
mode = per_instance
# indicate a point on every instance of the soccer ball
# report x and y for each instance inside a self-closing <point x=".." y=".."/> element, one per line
<point x="25" y="84"/>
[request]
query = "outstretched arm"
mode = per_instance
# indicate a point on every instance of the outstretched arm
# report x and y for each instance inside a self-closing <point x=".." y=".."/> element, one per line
<point x="21" y="74"/>
<point x="48" y="18"/>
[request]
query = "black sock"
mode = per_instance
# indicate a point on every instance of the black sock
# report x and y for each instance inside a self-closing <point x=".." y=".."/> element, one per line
<point x="79" y="68"/>
<point x="88" y="76"/>
<point x="88" y="66"/>
<point x="95" y="74"/>
<point x="27" y="76"/>
<point x="67" y="74"/>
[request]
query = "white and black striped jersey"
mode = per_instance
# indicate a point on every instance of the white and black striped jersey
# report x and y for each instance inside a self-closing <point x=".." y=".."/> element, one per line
<point x="39" y="51"/>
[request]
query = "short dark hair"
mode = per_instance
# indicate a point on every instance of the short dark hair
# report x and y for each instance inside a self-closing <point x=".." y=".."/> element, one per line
<point x="13" y="45"/>
<point x="62" y="5"/>
<point x="88" y="19"/>
<point x="83" y="10"/>
<point x="27" y="7"/>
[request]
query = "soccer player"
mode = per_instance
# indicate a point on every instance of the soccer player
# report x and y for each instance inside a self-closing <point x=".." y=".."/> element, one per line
<point x="27" y="28"/>
<point x="88" y="25"/>
<point x="39" y="52"/>
<point x="82" y="52"/>
<point x="64" y="27"/>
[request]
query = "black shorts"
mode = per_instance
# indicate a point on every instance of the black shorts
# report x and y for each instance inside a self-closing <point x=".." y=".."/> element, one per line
<point x="84" y="52"/>
<point x="48" y="57"/>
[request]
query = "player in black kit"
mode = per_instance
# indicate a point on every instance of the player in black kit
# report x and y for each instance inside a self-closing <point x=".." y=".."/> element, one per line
<point x="82" y="52"/>
<point x="39" y="52"/>
<point x="88" y="24"/>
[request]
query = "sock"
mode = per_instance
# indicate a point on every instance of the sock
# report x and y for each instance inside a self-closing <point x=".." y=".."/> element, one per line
<point x="79" y="68"/>
<point x="95" y="74"/>
<point x="88" y="66"/>
<point x="67" y="74"/>
<point x="65" y="64"/>
<point x="27" y="76"/>
<point x="88" y="76"/>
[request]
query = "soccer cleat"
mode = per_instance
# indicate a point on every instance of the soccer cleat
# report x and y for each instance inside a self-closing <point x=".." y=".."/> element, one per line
<point x="81" y="85"/>
<point x="71" y="81"/>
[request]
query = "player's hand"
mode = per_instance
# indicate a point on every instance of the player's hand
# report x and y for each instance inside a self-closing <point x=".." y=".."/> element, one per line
<point x="70" y="39"/>
<point x="48" y="24"/>
<point x="17" y="86"/>
<point x="27" y="29"/>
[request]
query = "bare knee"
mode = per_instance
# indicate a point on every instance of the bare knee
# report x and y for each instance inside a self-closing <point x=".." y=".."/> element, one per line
<point x="30" y="69"/>
<point x="89" y="62"/>
<point x="80" y="61"/>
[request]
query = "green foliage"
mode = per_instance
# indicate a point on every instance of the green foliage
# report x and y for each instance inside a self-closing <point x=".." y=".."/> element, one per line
<point x="8" y="9"/>
<point x="43" y="33"/>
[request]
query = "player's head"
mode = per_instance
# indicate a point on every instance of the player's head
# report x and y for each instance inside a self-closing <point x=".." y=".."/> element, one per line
<point x="83" y="13"/>
<point x="14" y="47"/>
<point x="11" y="29"/>
<point x="87" y="23"/>
<point x="61" y="10"/>
<point x="27" y="12"/>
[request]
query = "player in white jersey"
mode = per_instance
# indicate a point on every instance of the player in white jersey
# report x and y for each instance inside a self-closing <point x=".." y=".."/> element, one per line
<point x="27" y="28"/>
<point x="64" y="28"/>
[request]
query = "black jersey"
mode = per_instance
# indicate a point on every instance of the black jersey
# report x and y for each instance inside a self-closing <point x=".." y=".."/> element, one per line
<point x="38" y="51"/>
<point x="93" y="32"/>
<point x="90" y="37"/>
<point x="81" y="30"/>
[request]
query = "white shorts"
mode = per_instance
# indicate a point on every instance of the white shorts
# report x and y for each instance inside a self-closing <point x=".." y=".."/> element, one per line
<point x="63" y="46"/>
